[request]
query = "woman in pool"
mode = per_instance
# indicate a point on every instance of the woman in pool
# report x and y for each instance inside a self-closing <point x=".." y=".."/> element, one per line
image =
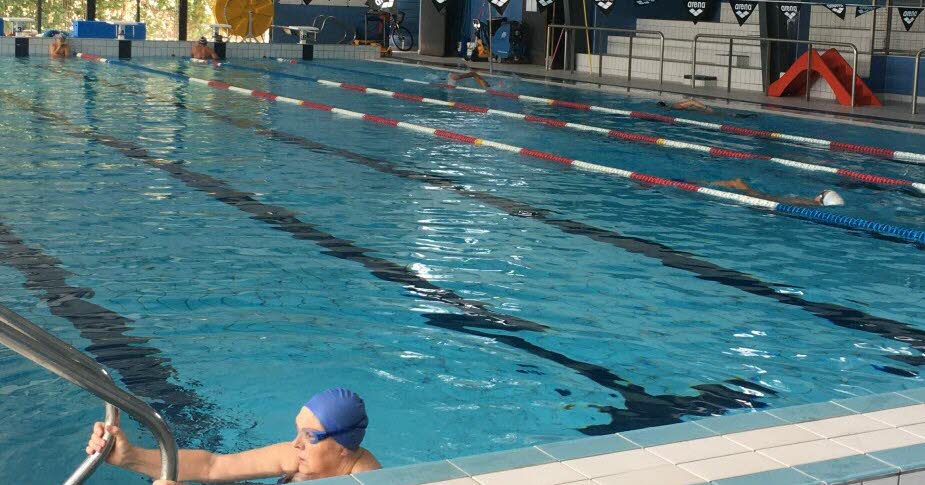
<point x="329" y="430"/>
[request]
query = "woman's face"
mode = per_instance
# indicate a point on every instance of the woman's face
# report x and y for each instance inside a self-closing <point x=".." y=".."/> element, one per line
<point x="319" y="459"/>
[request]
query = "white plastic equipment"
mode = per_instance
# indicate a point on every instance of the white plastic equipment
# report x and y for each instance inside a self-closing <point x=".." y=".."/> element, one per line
<point x="120" y="27"/>
<point x="18" y="26"/>
<point x="216" y="34"/>
<point x="306" y="32"/>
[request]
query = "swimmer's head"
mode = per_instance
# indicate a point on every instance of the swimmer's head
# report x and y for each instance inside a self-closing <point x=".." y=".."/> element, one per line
<point x="61" y="38"/>
<point x="203" y="41"/>
<point x="829" y="198"/>
<point x="330" y="427"/>
<point x="663" y="104"/>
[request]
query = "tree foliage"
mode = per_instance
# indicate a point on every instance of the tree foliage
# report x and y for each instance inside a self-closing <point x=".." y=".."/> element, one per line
<point x="160" y="16"/>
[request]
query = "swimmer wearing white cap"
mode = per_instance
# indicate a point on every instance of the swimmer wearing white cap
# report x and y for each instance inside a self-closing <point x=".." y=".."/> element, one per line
<point x="827" y="197"/>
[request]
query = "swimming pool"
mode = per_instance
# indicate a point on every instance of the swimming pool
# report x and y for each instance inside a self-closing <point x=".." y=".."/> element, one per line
<point x="241" y="255"/>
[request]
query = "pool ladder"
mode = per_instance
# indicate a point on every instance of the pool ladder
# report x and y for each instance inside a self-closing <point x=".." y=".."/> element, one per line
<point x="52" y="353"/>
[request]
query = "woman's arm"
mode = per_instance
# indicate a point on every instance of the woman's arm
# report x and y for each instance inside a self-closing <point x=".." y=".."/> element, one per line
<point x="199" y="465"/>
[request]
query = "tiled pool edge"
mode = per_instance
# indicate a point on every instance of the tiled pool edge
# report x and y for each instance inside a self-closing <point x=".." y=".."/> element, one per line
<point x="569" y="461"/>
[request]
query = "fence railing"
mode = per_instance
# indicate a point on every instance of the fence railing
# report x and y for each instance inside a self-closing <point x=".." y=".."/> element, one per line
<point x="569" y="30"/>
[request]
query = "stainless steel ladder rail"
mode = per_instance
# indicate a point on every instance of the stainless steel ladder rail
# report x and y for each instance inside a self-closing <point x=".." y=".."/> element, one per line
<point x="915" y="81"/>
<point x="52" y="353"/>
<point x="324" y="21"/>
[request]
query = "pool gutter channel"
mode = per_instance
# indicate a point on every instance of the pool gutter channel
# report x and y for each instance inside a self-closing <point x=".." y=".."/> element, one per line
<point x="646" y="409"/>
<point x="837" y="314"/>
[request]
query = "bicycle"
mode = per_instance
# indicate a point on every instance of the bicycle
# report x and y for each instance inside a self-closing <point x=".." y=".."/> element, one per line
<point x="401" y="37"/>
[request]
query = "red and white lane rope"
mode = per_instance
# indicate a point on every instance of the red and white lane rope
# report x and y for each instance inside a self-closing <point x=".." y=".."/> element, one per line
<point x="620" y="135"/>
<point x="809" y="214"/>
<point x="834" y="146"/>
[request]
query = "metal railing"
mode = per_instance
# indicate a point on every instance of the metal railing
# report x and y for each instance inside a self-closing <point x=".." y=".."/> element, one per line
<point x="915" y="81"/>
<point x="600" y="61"/>
<point x="810" y="43"/>
<point x="50" y="352"/>
<point x="324" y="22"/>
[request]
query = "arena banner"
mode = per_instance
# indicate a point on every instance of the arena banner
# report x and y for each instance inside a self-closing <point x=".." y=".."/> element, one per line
<point x="858" y="11"/>
<point x="605" y="6"/>
<point x="838" y="9"/>
<point x="542" y="5"/>
<point x="743" y="10"/>
<point x="697" y="10"/>
<point x="909" y="15"/>
<point x="790" y="10"/>
<point x="500" y="5"/>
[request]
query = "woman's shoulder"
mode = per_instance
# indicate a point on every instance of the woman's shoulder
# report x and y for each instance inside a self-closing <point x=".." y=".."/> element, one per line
<point x="366" y="463"/>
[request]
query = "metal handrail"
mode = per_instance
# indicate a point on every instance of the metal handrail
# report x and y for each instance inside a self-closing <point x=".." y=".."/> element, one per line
<point x="731" y="38"/>
<point x="50" y="352"/>
<point x="600" y="71"/>
<point x="324" y="22"/>
<point x="915" y="81"/>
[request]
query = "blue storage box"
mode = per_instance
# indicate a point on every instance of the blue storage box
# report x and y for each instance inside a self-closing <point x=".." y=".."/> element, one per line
<point x="95" y="29"/>
<point x="92" y="29"/>
<point x="2" y="32"/>
<point x="135" y="32"/>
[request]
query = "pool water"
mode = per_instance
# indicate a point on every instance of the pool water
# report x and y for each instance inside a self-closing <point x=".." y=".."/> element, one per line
<point x="477" y="300"/>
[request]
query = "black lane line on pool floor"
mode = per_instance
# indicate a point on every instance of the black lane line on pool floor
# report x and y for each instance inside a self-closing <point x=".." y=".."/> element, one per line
<point x="642" y="409"/>
<point x="144" y="369"/>
<point x="838" y="315"/>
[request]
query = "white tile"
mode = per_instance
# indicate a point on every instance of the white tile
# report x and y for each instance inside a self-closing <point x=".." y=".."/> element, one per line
<point x="879" y="440"/>
<point x="844" y="425"/>
<point x="548" y="474"/>
<point x="615" y="463"/>
<point x="458" y="481"/>
<point x="903" y="416"/>
<point x="894" y="480"/>
<point x="731" y="466"/>
<point x="914" y="478"/>
<point x="808" y="452"/>
<point x="698" y="449"/>
<point x="662" y="475"/>
<point x="772" y="437"/>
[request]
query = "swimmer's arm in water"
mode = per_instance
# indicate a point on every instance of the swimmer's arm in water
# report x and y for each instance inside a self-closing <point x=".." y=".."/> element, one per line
<point x="474" y="75"/>
<point x="200" y="465"/>
<point x="742" y="187"/>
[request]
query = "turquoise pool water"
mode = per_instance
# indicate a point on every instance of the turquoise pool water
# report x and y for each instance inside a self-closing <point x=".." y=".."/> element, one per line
<point x="477" y="300"/>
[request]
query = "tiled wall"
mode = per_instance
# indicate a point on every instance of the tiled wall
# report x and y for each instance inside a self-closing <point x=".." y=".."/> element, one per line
<point x="712" y="58"/>
<point x="38" y="47"/>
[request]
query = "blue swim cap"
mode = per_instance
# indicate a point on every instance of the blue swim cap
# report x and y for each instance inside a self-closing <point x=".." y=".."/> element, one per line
<point x="343" y="415"/>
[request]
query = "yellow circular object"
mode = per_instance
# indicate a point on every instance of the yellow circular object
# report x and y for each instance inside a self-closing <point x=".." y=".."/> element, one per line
<point x="218" y="11"/>
<point x="248" y="18"/>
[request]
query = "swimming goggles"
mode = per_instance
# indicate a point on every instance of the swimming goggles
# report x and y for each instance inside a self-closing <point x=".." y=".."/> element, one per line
<point x="314" y="436"/>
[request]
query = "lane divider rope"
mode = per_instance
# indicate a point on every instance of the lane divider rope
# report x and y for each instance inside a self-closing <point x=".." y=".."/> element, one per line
<point x="620" y="135"/>
<point x="812" y="215"/>
<point x="835" y="146"/>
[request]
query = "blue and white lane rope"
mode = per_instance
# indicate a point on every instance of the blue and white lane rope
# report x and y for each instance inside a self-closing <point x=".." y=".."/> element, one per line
<point x="620" y="135"/>
<point x="812" y="215"/>
<point x="835" y="146"/>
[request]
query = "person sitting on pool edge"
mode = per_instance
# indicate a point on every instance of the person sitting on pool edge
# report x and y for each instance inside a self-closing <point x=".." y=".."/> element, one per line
<point x="329" y="430"/>
<point x="202" y="50"/>
<point x="827" y="197"/>
<point x="59" y="49"/>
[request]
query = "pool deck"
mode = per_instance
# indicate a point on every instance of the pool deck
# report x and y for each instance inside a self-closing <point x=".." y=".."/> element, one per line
<point x="892" y="112"/>
<point x="874" y="440"/>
